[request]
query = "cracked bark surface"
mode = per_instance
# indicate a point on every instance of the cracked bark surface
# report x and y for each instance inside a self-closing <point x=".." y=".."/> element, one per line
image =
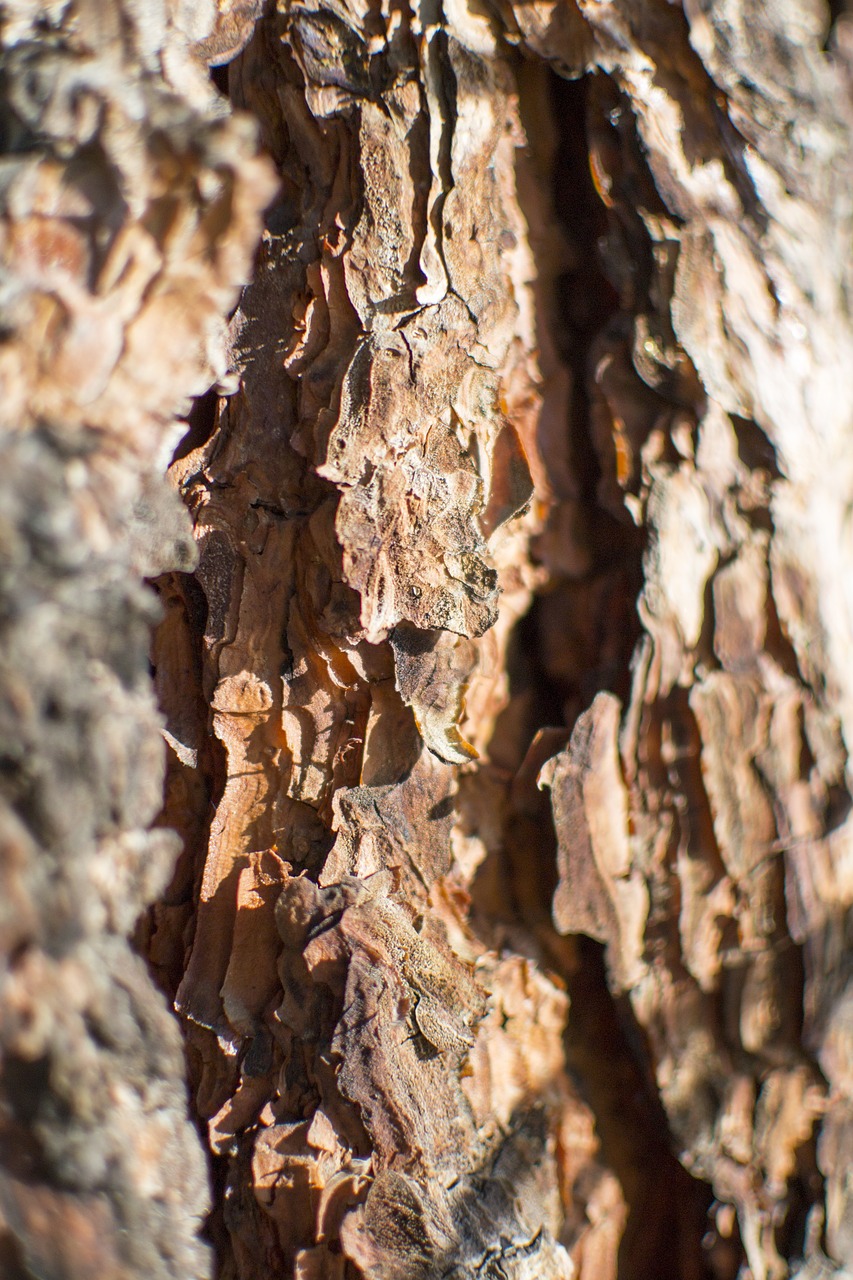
<point x="506" y="697"/>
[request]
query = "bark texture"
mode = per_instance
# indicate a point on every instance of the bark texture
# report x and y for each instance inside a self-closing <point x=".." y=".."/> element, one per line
<point x="521" y="618"/>
<point x="130" y="209"/>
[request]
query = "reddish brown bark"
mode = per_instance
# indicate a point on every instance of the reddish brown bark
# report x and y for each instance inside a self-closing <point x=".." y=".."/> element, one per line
<point x="506" y="708"/>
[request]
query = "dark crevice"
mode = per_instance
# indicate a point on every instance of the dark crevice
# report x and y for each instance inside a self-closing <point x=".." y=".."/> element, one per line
<point x="12" y="1263"/>
<point x="838" y="9"/>
<point x="585" y="298"/>
<point x="219" y="76"/>
<point x="755" y="450"/>
<point x="668" y="1209"/>
<point x="201" y="424"/>
<point x="577" y="640"/>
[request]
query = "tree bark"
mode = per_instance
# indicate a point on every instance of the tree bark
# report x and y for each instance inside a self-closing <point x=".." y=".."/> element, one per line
<point x="505" y="679"/>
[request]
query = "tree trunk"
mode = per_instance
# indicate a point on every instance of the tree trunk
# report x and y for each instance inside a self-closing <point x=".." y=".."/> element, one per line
<point x="506" y="680"/>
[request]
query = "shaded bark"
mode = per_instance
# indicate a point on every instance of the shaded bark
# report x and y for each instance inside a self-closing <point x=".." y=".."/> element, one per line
<point x="507" y="705"/>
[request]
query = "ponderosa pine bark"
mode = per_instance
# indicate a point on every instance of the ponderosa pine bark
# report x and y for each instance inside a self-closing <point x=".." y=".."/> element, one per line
<point x="505" y="680"/>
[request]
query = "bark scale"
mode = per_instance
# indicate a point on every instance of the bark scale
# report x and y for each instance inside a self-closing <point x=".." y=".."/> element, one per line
<point x="549" y="320"/>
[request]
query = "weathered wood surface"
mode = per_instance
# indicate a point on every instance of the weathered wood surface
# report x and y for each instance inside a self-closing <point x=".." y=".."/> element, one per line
<point x="521" y="615"/>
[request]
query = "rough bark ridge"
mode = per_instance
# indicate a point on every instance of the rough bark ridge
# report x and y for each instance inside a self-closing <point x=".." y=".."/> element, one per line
<point x="130" y="210"/>
<point x="363" y="560"/>
<point x="389" y="1090"/>
<point x="704" y="830"/>
<point x="442" y="402"/>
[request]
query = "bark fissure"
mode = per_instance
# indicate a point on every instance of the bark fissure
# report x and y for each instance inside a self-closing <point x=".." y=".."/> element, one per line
<point x="507" y="705"/>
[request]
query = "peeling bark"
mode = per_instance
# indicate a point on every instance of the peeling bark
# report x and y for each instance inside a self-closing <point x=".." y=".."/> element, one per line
<point x="363" y="510"/>
<point x="507" y="704"/>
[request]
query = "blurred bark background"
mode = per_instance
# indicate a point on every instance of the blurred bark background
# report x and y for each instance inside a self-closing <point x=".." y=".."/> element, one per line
<point x="504" y="650"/>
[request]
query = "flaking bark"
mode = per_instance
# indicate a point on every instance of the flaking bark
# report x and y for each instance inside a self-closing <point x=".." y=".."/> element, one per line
<point x="520" y="618"/>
